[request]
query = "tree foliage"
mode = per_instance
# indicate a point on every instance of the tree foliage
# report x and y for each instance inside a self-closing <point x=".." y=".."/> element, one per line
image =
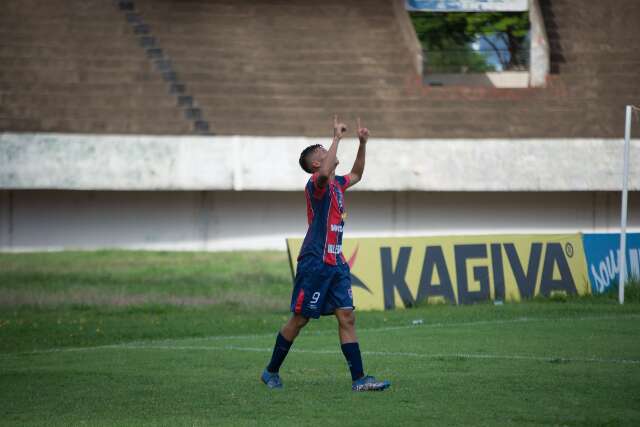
<point x="447" y="37"/>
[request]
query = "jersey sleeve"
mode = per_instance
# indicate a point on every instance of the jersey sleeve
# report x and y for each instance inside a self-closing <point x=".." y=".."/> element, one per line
<point x="316" y="192"/>
<point x="343" y="181"/>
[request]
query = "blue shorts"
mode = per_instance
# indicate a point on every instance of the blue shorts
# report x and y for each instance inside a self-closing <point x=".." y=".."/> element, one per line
<point x="321" y="288"/>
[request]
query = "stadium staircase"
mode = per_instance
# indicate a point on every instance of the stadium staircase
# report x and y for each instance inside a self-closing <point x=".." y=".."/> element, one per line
<point x="164" y="65"/>
<point x="283" y="67"/>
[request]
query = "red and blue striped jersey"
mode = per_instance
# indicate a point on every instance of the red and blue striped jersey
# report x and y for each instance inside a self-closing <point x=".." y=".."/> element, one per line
<point x="325" y="215"/>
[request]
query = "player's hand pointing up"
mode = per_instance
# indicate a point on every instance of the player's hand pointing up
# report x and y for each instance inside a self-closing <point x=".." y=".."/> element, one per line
<point x="363" y="133"/>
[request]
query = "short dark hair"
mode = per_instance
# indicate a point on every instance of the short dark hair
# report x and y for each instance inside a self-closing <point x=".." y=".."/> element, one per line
<point x="303" y="157"/>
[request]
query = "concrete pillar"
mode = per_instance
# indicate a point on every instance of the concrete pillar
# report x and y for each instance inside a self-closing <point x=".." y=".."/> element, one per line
<point x="539" y="62"/>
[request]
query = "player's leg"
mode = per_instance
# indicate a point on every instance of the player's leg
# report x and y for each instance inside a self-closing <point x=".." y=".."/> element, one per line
<point x="340" y="301"/>
<point x="306" y="299"/>
<point x="346" y="325"/>
<point x="341" y="297"/>
<point x="349" y="341"/>
<point x="294" y="325"/>
<point x="284" y="340"/>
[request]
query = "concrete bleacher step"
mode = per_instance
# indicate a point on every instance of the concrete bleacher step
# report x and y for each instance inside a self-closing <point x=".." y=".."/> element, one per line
<point x="270" y="18"/>
<point x="104" y="100"/>
<point x="221" y="52"/>
<point x="304" y="40"/>
<point x="608" y="70"/>
<point x="95" y="125"/>
<point x="285" y="62"/>
<point x="295" y="89"/>
<point x="93" y="63"/>
<point x="61" y="10"/>
<point x="263" y="67"/>
<point x="345" y="80"/>
<point x="142" y="90"/>
<point x="594" y="58"/>
<point x="10" y="49"/>
<point x="329" y="9"/>
<point x="579" y="49"/>
<point x="78" y="75"/>
<point x="81" y="42"/>
<point x="250" y="32"/>
<point x="95" y="41"/>
<point x="82" y="112"/>
<point x="63" y="28"/>
<point x="324" y="103"/>
<point x="314" y="116"/>
<point x="379" y="130"/>
<point x="371" y="76"/>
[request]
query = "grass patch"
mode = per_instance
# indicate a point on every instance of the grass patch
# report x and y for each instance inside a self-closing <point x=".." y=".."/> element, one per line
<point x="156" y="361"/>
<point x="135" y="278"/>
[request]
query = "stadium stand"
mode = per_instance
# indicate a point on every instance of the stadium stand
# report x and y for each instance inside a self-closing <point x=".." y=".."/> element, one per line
<point x="76" y="66"/>
<point x="280" y="68"/>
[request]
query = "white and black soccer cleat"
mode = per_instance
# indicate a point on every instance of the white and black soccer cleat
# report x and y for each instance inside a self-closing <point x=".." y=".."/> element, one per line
<point x="369" y="383"/>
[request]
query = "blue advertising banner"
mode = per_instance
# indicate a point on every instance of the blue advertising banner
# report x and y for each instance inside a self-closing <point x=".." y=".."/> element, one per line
<point x="467" y="5"/>
<point x="601" y="251"/>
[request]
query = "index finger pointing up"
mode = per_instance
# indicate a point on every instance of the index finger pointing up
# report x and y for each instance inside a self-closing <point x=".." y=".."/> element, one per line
<point x="359" y="127"/>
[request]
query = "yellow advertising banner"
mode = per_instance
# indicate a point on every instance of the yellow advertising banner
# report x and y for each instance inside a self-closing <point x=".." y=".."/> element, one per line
<point x="396" y="272"/>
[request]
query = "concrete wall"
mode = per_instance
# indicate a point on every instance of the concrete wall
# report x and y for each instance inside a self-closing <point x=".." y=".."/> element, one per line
<point x="115" y="162"/>
<point x="223" y="220"/>
<point x="200" y="193"/>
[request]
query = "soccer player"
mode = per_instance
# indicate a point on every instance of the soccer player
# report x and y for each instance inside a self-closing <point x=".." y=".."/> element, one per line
<point x="323" y="281"/>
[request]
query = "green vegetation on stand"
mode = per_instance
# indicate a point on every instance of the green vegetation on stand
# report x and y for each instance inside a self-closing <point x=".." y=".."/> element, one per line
<point x="446" y="39"/>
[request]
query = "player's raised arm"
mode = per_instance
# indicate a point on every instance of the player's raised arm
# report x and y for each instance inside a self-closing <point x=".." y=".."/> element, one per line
<point x="329" y="163"/>
<point x="358" y="166"/>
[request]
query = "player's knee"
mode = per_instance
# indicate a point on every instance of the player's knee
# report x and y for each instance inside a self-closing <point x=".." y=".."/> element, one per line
<point x="299" y="321"/>
<point x="346" y="318"/>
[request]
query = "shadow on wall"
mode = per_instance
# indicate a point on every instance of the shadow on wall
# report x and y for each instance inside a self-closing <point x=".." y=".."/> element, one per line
<point x="228" y="220"/>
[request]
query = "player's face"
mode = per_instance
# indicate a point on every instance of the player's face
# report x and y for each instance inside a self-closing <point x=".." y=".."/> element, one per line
<point x="322" y="153"/>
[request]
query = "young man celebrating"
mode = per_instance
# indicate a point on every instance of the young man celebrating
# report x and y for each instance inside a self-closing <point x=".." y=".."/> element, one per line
<point x="323" y="281"/>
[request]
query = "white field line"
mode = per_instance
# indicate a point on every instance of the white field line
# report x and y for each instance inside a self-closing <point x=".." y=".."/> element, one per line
<point x="390" y="328"/>
<point x="423" y="325"/>
<point x="154" y="344"/>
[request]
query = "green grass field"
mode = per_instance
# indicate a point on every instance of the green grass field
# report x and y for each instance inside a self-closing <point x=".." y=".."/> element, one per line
<point x="179" y="339"/>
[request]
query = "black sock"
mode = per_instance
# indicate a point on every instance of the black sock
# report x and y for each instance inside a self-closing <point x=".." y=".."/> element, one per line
<point x="351" y="352"/>
<point x="280" y="351"/>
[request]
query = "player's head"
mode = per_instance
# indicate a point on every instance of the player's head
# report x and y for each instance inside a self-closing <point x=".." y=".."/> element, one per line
<point x="311" y="158"/>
